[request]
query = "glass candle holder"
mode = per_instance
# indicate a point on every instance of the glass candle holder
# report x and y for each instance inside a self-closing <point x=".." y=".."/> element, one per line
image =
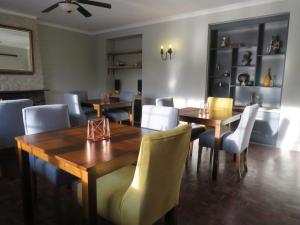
<point x="206" y="108"/>
<point x="98" y="129"/>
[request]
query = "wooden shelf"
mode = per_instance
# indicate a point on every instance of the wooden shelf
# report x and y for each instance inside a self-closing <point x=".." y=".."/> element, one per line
<point x="274" y="55"/>
<point x="218" y="77"/>
<point x="244" y="66"/>
<point x="261" y="109"/>
<point x="124" y="67"/>
<point x="255" y="86"/>
<point x="241" y="47"/>
<point x="125" y="52"/>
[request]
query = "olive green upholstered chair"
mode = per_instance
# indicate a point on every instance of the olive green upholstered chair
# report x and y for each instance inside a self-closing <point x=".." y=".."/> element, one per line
<point x="142" y="194"/>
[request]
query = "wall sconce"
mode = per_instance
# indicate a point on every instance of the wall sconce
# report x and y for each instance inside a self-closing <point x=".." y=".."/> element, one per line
<point x="164" y="55"/>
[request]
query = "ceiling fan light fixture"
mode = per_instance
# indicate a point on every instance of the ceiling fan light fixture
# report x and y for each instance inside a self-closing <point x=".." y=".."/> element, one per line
<point x="68" y="7"/>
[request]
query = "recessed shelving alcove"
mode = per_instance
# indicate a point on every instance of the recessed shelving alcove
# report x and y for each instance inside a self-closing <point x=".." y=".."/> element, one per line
<point x="250" y="37"/>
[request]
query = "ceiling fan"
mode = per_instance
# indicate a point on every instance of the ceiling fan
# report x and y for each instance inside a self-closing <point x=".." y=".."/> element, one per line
<point x="73" y="5"/>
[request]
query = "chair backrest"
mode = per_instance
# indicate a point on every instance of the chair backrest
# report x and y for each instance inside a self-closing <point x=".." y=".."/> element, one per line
<point x="126" y="96"/>
<point x="77" y="116"/>
<point x="156" y="184"/>
<point x="82" y="95"/>
<point x="43" y="118"/>
<point x="240" y="138"/>
<point x="159" y="117"/>
<point x="11" y="121"/>
<point x="220" y="103"/>
<point x="164" y="102"/>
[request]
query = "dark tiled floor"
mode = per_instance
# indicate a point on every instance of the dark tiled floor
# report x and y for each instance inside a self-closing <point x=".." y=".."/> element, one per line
<point x="269" y="194"/>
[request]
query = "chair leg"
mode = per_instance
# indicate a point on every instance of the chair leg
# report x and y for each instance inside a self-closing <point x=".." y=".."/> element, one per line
<point x="191" y="149"/>
<point x="238" y="166"/>
<point x="34" y="186"/>
<point x="234" y="157"/>
<point x="211" y="155"/>
<point x="245" y="160"/>
<point x="199" y="158"/>
<point x="57" y="205"/>
<point x="171" y="217"/>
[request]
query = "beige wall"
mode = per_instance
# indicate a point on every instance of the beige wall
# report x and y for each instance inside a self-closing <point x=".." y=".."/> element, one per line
<point x="69" y="62"/>
<point x="23" y="82"/>
<point x="185" y="76"/>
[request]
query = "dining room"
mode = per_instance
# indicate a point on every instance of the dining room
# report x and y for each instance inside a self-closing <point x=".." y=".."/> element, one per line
<point x="149" y="112"/>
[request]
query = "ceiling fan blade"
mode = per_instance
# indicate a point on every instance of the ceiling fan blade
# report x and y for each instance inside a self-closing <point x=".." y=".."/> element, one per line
<point x="100" y="4"/>
<point x="50" y="8"/>
<point x="83" y="11"/>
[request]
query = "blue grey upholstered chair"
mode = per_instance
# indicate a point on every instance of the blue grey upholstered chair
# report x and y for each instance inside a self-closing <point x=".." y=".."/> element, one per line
<point x="196" y="129"/>
<point x="234" y="142"/>
<point x="119" y="115"/>
<point x="83" y="96"/>
<point x="77" y="115"/>
<point x="167" y="101"/>
<point x="39" y="119"/>
<point x="11" y="124"/>
<point x="159" y="118"/>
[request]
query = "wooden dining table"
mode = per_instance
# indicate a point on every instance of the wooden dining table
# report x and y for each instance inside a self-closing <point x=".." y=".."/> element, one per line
<point x="70" y="150"/>
<point x="215" y="119"/>
<point x="99" y="104"/>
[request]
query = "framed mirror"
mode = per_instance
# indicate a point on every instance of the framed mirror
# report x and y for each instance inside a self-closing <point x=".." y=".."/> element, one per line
<point x="16" y="51"/>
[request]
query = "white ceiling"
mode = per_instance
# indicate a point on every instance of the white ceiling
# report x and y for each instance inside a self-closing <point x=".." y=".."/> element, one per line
<point x="123" y="12"/>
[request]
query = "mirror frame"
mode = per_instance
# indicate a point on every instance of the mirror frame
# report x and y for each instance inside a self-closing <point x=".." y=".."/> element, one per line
<point x="20" y="72"/>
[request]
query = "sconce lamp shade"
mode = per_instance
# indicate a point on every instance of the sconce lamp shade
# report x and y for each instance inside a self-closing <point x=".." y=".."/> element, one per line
<point x="164" y="55"/>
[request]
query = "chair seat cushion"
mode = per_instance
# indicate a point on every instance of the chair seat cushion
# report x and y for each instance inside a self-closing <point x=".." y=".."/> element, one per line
<point x="56" y="176"/>
<point x="117" y="115"/>
<point x="229" y="143"/>
<point x="88" y="110"/>
<point x="196" y="132"/>
<point x="110" y="191"/>
<point x="207" y="139"/>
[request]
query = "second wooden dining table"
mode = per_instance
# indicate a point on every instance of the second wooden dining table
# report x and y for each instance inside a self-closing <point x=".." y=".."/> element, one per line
<point x="99" y="105"/>
<point x="70" y="150"/>
<point x="215" y="119"/>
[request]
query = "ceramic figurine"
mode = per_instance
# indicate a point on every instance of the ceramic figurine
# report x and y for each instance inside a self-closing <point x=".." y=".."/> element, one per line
<point x="225" y="42"/>
<point x="243" y="79"/>
<point x="247" y="58"/>
<point x="274" y="46"/>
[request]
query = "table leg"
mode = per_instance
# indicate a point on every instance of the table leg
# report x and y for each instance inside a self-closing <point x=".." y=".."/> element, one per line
<point x="216" y="152"/>
<point x="26" y="186"/>
<point x="89" y="200"/>
<point x="97" y="107"/>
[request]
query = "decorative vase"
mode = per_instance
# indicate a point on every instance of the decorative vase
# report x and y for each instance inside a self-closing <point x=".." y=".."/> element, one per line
<point x="98" y="129"/>
<point x="267" y="78"/>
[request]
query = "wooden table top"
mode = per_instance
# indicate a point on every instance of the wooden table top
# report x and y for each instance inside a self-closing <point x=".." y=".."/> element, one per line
<point x="217" y="117"/>
<point x="107" y="104"/>
<point x="70" y="146"/>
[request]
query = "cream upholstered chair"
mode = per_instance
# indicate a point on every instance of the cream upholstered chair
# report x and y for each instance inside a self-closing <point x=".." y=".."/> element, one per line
<point x="159" y="117"/>
<point x="143" y="194"/>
